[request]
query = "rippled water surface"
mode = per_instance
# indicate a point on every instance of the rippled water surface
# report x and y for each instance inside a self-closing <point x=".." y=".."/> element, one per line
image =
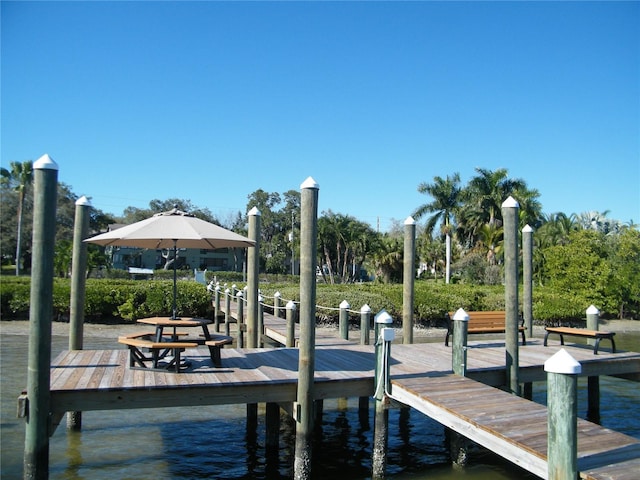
<point x="213" y="442"/>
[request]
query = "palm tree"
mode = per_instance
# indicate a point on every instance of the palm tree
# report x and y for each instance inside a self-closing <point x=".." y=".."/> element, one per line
<point x="599" y="221"/>
<point x="488" y="190"/>
<point x="20" y="177"/>
<point x="446" y="201"/>
<point x="555" y="229"/>
<point x="492" y="238"/>
<point x="387" y="259"/>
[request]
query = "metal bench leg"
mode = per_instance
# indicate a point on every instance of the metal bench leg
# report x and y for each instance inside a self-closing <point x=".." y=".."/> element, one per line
<point x="597" y="345"/>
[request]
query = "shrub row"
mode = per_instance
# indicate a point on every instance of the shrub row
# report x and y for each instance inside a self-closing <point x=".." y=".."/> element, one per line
<point x="123" y="300"/>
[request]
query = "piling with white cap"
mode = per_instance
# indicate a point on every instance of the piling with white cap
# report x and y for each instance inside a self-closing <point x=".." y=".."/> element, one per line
<point x="511" y="279"/>
<point x="459" y="347"/>
<point x="253" y="270"/>
<point x="562" y="416"/>
<point x="343" y="320"/>
<point x="408" y="279"/>
<point x="383" y="336"/>
<point x="45" y="191"/>
<point x="78" y="288"/>
<point x="365" y="322"/>
<point x="593" y="382"/>
<point x="306" y="350"/>
<point x="291" y="324"/>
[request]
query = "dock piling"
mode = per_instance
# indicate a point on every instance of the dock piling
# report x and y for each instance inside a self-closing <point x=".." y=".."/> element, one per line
<point x="291" y="324"/>
<point x="216" y="309"/>
<point x="562" y="400"/>
<point x="253" y="270"/>
<point x="459" y="352"/>
<point x="36" y="446"/>
<point x="365" y="322"/>
<point x="511" y="259"/>
<point x="382" y="382"/>
<point x="306" y="351"/>
<point x="78" y="284"/>
<point x="240" y="319"/>
<point x="277" y="301"/>
<point x="227" y="312"/>
<point x="343" y="320"/>
<point x="527" y="279"/>
<point x="408" y="280"/>
<point x="593" y="383"/>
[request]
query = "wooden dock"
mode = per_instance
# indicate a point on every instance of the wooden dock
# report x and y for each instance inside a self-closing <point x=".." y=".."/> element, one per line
<point x="516" y="428"/>
<point x="421" y="378"/>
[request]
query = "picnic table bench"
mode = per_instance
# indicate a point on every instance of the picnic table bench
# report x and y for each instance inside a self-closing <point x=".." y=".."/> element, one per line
<point x="493" y="321"/>
<point x="214" y="344"/>
<point x="581" y="332"/>
<point x="140" y="344"/>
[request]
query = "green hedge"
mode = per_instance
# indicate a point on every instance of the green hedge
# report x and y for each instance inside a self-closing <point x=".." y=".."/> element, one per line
<point x="119" y="300"/>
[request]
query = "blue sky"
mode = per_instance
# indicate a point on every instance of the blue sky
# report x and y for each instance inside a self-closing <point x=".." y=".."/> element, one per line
<point x="210" y="101"/>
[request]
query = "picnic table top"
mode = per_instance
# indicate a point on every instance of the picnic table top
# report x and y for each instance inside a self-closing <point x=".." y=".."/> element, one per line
<point x="175" y="322"/>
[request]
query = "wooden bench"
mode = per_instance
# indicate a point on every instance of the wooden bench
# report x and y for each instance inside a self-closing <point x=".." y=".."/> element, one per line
<point x="485" y="322"/>
<point x="214" y="344"/>
<point x="159" y="350"/>
<point x="581" y="332"/>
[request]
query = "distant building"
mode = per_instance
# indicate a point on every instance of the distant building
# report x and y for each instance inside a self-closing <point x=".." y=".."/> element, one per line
<point x="222" y="259"/>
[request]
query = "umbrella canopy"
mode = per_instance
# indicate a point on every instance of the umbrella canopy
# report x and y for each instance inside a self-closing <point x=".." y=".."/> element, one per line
<point x="173" y="229"/>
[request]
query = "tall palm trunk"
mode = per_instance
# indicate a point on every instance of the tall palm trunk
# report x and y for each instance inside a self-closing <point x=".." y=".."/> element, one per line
<point x="448" y="257"/>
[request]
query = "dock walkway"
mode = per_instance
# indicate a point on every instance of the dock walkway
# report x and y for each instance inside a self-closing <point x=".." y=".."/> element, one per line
<point x="516" y="428"/>
<point x="421" y="378"/>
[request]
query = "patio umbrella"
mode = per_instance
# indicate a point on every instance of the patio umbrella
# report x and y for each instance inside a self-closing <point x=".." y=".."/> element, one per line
<point x="173" y="229"/>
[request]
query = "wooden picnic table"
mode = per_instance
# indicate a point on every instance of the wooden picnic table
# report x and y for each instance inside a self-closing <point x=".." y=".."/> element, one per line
<point x="161" y="342"/>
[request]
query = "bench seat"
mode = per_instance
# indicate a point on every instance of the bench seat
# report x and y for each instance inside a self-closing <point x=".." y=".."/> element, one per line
<point x="581" y="332"/>
<point x="159" y="350"/>
<point x="493" y="321"/>
<point x="214" y="344"/>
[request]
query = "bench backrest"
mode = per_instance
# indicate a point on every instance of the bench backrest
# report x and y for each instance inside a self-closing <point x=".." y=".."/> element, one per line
<point x="496" y="318"/>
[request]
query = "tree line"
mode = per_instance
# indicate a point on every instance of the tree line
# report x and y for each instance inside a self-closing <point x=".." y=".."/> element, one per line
<point x="460" y="240"/>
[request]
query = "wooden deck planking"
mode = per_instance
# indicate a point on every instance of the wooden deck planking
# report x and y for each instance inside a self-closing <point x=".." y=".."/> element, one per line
<point x="519" y="435"/>
<point x="346" y="369"/>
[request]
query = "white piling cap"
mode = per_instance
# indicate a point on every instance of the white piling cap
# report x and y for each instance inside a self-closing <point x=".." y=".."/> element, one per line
<point x="344" y="304"/>
<point x="310" y="183"/>
<point x="260" y="299"/>
<point x="45" y="162"/>
<point x="510" y="203"/>
<point x="277" y="294"/>
<point x="409" y="221"/>
<point x="592" y="310"/>
<point x="240" y="294"/>
<point x="254" y="212"/>
<point x="291" y="305"/>
<point x="461" y="315"/>
<point x="365" y="309"/>
<point x="383" y="317"/>
<point x="83" y="202"/>
<point x="527" y="229"/>
<point x="562" y="362"/>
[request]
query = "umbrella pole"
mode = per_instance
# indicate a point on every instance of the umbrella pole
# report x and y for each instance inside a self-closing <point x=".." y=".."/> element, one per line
<point x="174" y="315"/>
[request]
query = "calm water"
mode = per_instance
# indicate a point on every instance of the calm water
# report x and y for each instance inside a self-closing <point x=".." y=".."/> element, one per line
<point x="212" y="442"/>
